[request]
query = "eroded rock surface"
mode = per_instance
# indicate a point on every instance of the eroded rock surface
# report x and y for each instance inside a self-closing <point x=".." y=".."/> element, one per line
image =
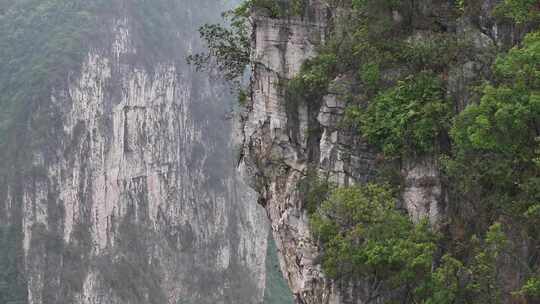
<point x="132" y="195"/>
<point x="283" y="140"/>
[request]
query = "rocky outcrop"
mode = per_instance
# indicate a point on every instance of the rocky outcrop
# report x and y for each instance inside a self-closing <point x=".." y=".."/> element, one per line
<point x="269" y="153"/>
<point x="282" y="141"/>
<point x="132" y="196"/>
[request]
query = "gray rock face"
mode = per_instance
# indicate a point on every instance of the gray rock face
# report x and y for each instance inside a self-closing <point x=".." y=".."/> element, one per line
<point x="134" y="198"/>
<point x="281" y="141"/>
<point x="275" y="146"/>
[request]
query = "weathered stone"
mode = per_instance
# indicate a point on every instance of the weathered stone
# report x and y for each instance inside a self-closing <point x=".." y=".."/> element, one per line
<point x="310" y="135"/>
<point x="133" y="197"/>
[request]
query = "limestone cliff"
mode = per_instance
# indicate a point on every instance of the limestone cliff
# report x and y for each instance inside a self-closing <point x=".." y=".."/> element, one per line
<point x="124" y="189"/>
<point x="282" y="141"/>
<point x="269" y="153"/>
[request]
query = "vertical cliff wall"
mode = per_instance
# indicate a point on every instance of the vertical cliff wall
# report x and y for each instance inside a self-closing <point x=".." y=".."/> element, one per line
<point x="284" y="140"/>
<point x="121" y="186"/>
<point x="269" y="153"/>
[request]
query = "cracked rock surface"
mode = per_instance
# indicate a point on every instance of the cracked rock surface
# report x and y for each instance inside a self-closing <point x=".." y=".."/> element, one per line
<point x="281" y="140"/>
<point x="132" y="196"/>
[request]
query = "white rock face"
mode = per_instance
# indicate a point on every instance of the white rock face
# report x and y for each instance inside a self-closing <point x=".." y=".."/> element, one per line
<point x="137" y="200"/>
<point x="271" y="154"/>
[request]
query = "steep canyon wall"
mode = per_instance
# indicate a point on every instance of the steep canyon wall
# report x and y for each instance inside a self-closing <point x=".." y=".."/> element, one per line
<point x="284" y="140"/>
<point x="124" y="189"/>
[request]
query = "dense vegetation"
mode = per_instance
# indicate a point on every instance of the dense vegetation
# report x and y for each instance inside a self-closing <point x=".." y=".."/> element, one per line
<point x="228" y="46"/>
<point x="492" y="166"/>
<point x="408" y="118"/>
<point x="489" y="151"/>
<point x="366" y="237"/>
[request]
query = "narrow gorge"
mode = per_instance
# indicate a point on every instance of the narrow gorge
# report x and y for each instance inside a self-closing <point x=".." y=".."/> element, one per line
<point x="269" y="152"/>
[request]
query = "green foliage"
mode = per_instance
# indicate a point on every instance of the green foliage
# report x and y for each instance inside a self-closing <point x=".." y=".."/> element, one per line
<point x="365" y="237"/>
<point x="228" y="46"/>
<point x="531" y="288"/>
<point x="242" y="97"/>
<point x="460" y="4"/>
<point x="378" y="33"/>
<point x="520" y="11"/>
<point x="297" y="7"/>
<point x="477" y="280"/>
<point x="274" y="8"/>
<point x="446" y="286"/>
<point x="408" y="112"/>
<point x="407" y="118"/>
<point x="484" y="280"/>
<point x="521" y="65"/>
<point x="370" y="75"/>
<point x="495" y="165"/>
<point x="312" y="81"/>
<point x="366" y="35"/>
<point x="433" y="52"/>
<point x="495" y="141"/>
